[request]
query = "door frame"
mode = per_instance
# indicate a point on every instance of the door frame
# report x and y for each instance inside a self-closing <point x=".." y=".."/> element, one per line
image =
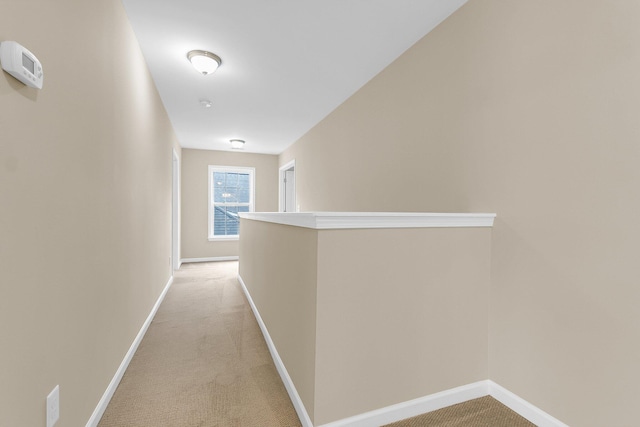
<point x="175" y="212"/>
<point x="281" y="185"/>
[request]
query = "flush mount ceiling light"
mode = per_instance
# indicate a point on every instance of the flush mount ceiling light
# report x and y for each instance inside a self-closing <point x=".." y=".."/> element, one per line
<point x="203" y="61"/>
<point x="206" y="103"/>
<point x="237" y="144"/>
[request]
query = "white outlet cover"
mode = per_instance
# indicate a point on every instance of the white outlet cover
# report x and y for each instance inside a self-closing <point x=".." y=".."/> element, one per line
<point x="53" y="407"/>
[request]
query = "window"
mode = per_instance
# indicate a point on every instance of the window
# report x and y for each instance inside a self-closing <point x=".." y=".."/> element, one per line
<point x="230" y="192"/>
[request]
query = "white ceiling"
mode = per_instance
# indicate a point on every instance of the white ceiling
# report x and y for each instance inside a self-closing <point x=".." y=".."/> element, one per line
<point x="286" y="64"/>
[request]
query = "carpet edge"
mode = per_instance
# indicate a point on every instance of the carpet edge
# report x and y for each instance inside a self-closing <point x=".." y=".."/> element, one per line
<point x="282" y="370"/>
<point x="113" y="385"/>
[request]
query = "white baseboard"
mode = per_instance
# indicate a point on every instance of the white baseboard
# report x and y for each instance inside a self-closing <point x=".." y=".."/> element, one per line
<point x="286" y="379"/>
<point x="414" y="407"/>
<point x="211" y="259"/>
<point x="517" y="404"/>
<point x="113" y="385"/>
<point x="446" y="398"/>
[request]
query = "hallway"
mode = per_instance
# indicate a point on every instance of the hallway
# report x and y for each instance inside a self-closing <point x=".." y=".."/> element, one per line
<point x="203" y="361"/>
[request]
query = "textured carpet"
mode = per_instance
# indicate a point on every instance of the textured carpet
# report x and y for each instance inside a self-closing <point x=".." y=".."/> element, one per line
<point x="203" y="361"/>
<point x="482" y="412"/>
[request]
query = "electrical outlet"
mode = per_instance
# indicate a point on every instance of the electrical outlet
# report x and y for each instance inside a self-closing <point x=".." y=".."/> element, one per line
<point x="53" y="407"/>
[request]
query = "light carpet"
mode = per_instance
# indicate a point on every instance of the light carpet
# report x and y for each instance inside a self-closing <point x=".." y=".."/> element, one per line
<point x="482" y="412"/>
<point x="203" y="361"/>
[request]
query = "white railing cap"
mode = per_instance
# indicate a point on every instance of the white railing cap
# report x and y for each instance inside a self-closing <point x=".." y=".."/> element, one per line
<point x="345" y="220"/>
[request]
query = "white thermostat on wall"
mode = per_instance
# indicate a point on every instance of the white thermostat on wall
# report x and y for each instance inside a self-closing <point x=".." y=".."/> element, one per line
<point x="21" y="64"/>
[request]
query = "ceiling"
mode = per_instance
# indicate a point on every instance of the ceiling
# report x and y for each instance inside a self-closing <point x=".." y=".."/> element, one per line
<point x="286" y="64"/>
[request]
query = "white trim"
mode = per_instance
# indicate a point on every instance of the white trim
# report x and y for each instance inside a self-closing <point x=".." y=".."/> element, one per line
<point x="211" y="259"/>
<point x="281" y="176"/>
<point x="446" y="398"/>
<point x="224" y="238"/>
<point x="175" y="211"/>
<point x="113" y="385"/>
<point x="286" y="379"/>
<point x="517" y="404"/>
<point x="343" y="220"/>
<point x="412" y="408"/>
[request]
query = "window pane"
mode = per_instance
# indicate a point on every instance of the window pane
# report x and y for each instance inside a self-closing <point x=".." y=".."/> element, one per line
<point x="226" y="221"/>
<point x="231" y="195"/>
<point x="219" y="178"/>
<point x="232" y="179"/>
<point x="231" y="187"/>
<point x="243" y="180"/>
<point x="219" y="183"/>
<point x="217" y="194"/>
<point x="243" y="195"/>
<point x="244" y="190"/>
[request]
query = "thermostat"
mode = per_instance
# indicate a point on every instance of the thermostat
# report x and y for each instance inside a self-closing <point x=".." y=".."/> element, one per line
<point x="21" y="64"/>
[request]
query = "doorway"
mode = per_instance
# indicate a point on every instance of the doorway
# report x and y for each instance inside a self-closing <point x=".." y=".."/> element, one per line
<point x="288" y="187"/>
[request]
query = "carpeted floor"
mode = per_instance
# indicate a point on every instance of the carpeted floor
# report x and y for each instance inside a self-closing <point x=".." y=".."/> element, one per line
<point x="204" y="363"/>
<point x="482" y="412"/>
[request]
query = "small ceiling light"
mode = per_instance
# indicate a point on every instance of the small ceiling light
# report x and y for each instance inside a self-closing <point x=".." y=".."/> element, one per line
<point x="206" y="103"/>
<point x="203" y="61"/>
<point x="237" y="144"/>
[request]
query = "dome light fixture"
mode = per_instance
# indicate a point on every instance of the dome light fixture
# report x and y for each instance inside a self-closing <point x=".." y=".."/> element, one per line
<point x="237" y="144"/>
<point x="203" y="61"/>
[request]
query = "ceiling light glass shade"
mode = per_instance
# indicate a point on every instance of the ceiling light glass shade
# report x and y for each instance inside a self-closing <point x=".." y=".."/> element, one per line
<point x="237" y="144"/>
<point x="203" y="61"/>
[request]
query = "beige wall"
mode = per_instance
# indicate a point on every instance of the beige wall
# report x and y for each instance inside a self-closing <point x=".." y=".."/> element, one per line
<point x="355" y="338"/>
<point x="85" y="193"/>
<point x="402" y="314"/>
<point x="527" y="109"/>
<point x="195" y="166"/>
<point x="279" y="267"/>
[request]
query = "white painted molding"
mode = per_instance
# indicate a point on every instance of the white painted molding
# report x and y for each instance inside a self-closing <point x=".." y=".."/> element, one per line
<point x="175" y="211"/>
<point x="411" y="408"/>
<point x="281" y="176"/>
<point x="345" y="220"/>
<point x="517" y="404"/>
<point x="374" y="418"/>
<point x="113" y="385"/>
<point x="446" y="398"/>
<point x="211" y="259"/>
<point x="282" y="370"/>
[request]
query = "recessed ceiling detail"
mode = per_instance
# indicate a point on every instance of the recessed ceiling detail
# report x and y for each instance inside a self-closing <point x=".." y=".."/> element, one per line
<point x="287" y="64"/>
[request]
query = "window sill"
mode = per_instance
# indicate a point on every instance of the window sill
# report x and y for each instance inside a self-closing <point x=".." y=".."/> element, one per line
<point x="223" y="238"/>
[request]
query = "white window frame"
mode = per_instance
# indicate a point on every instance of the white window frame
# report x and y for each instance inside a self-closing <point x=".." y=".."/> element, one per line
<point x="251" y="204"/>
